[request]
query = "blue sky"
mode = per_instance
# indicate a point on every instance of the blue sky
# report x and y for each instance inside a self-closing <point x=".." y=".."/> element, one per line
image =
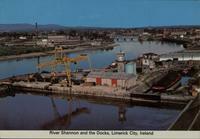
<point x="101" y="13"/>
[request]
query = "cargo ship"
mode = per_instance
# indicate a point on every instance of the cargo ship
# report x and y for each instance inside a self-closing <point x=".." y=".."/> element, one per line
<point x="168" y="81"/>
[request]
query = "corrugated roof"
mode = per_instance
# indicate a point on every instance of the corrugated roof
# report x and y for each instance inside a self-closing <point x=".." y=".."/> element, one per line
<point x="110" y="75"/>
<point x="186" y="54"/>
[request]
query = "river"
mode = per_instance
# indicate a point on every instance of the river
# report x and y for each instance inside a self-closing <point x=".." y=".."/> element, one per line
<point x="28" y="111"/>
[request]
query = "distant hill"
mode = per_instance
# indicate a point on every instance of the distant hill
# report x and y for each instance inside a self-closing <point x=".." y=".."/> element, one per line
<point x="50" y="27"/>
<point x="28" y="27"/>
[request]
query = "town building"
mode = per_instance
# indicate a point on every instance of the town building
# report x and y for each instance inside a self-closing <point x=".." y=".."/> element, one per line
<point x="22" y="38"/>
<point x="43" y="42"/>
<point x="57" y="39"/>
<point x="147" y="61"/>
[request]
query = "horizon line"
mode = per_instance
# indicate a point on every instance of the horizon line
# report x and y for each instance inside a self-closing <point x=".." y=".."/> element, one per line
<point x="114" y="27"/>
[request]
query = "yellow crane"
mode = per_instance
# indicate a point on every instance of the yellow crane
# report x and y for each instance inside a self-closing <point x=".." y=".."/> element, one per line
<point x="67" y="61"/>
<point x="58" y="55"/>
<point x="64" y="60"/>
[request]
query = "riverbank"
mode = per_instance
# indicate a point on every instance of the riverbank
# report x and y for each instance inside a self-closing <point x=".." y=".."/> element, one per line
<point x="98" y="92"/>
<point x="41" y="54"/>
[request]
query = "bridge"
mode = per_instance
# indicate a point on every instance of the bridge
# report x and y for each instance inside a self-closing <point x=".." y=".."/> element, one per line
<point x="125" y="38"/>
<point x="189" y="55"/>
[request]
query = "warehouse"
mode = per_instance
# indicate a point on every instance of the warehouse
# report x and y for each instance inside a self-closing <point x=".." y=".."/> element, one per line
<point x="56" y="39"/>
<point x="114" y="79"/>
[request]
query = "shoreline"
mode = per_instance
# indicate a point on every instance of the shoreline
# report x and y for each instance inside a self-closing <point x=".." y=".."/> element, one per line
<point x="48" y="53"/>
<point x="132" y="95"/>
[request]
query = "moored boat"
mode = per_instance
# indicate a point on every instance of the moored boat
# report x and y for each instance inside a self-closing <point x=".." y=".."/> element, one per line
<point x="166" y="82"/>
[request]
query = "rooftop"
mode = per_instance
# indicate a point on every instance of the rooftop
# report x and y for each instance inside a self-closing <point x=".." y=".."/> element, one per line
<point x="181" y="54"/>
<point x="110" y="75"/>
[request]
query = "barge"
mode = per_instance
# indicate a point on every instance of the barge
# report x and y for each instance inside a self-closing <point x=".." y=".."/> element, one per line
<point x="171" y="79"/>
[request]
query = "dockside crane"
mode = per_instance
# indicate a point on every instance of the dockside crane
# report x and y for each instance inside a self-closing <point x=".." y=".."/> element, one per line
<point x="60" y="59"/>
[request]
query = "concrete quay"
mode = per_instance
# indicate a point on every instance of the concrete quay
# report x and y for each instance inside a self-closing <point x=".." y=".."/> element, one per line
<point x="46" y="88"/>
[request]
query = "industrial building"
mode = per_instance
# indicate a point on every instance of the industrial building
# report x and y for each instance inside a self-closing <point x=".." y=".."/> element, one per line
<point x="147" y="61"/>
<point x="125" y="77"/>
<point x="123" y="66"/>
<point x="56" y="39"/>
<point x="130" y="68"/>
<point x="120" y="62"/>
<point x="114" y="79"/>
<point x="182" y="56"/>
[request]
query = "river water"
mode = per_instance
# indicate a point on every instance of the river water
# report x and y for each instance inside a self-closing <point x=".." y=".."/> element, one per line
<point x="28" y="111"/>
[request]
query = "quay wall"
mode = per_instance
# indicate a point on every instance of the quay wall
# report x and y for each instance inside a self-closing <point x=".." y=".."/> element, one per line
<point x="97" y="92"/>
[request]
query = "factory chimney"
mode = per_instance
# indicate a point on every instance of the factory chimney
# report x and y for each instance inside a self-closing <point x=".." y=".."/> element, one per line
<point x="36" y="32"/>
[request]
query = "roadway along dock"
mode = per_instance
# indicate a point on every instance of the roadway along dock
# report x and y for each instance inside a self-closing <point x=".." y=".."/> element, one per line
<point x="189" y="118"/>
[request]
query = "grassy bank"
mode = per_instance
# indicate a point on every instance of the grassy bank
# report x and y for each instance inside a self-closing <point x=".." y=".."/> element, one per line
<point x="17" y="50"/>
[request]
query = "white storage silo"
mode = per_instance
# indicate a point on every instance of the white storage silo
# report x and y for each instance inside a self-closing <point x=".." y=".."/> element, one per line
<point x="130" y="68"/>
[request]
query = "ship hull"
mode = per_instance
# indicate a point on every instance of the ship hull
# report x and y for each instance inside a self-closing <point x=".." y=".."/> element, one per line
<point x="167" y="82"/>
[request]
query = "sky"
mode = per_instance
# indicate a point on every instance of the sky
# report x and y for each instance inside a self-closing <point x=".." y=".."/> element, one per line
<point x="101" y="13"/>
